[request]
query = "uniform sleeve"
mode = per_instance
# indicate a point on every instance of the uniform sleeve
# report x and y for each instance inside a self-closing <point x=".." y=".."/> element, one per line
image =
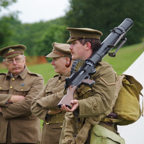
<point x="23" y="108"/>
<point x="4" y="98"/>
<point x="51" y="101"/>
<point x="36" y="108"/>
<point x="101" y="96"/>
<point x="42" y="103"/>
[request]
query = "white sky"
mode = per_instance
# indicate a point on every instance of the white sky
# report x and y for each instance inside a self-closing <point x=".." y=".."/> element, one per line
<point x="37" y="10"/>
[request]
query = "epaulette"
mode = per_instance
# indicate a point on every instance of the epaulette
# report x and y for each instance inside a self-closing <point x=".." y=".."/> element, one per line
<point x="31" y="73"/>
<point x="56" y="75"/>
<point x="2" y="73"/>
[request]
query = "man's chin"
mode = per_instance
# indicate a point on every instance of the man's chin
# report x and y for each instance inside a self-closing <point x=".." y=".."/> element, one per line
<point x="56" y="71"/>
<point x="73" y="58"/>
<point x="16" y="72"/>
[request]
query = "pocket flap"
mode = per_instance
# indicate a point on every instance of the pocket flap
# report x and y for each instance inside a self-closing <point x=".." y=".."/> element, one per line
<point x="4" y="88"/>
<point x="53" y="90"/>
<point x="21" y="88"/>
<point x="103" y="132"/>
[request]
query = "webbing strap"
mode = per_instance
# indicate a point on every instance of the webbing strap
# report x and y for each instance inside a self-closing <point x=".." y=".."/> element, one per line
<point x="110" y="120"/>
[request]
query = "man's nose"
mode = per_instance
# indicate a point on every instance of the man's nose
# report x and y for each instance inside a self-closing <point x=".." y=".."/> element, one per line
<point x="14" y="62"/>
<point x="70" y="47"/>
<point x="52" y="63"/>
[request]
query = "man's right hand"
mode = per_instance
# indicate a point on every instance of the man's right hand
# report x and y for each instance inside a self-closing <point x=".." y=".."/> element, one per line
<point x="53" y="112"/>
<point x="16" y="98"/>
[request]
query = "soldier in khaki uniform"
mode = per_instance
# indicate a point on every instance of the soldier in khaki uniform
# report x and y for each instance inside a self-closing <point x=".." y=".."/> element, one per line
<point x="90" y="105"/>
<point x="44" y="105"/>
<point x="17" y="89"/>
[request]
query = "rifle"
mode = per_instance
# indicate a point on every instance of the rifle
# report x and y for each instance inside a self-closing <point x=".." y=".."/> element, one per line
<point x="88" y="68"/>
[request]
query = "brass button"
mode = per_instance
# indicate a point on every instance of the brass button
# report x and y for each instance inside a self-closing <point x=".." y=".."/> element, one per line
<point x="46" y="90"/>
<point x="21" y="89"/>
<point x="60" y="126"/>
<point x="0" y="87"/>
<point x="13" y="79"/>
<point x="94" y="106"/>
<point x="59" y="81"/>
<point x="11" y="87"/>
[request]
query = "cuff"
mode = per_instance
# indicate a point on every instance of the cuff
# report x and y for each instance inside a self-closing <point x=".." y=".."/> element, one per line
<point x="4" y="99"/>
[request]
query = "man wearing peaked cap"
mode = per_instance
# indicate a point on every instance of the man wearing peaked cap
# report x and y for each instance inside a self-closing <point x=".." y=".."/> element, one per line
<point x="12" y="51"/>
<point x="92" y="104"/>
<point x="59" y="50"/>
<point x="44" y="105"/>
<point x="17" y="89"/>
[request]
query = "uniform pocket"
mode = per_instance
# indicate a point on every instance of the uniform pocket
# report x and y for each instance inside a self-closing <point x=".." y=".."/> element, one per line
<point x="48" y="92"/>
<point x="84" y="91"/>
<point x="21" y="90"/>
<point x="101" y="135"/>
<point x="4" y="90"/>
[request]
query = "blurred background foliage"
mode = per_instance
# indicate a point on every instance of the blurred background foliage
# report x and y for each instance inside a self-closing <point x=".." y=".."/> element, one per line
<point x="103" y="15"/>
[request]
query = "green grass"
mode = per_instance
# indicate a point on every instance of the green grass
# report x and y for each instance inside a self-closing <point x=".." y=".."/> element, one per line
<point x="46" y="70"/>
<point x="125" y="57"/>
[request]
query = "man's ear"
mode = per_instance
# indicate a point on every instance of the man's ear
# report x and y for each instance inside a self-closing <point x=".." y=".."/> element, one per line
<point x="25" y="59"/>
<point x="88" y="45"/>
<point x="68" y="62"/>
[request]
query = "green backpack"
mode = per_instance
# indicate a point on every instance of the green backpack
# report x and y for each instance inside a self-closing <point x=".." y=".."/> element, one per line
<point x="127" y="105"/>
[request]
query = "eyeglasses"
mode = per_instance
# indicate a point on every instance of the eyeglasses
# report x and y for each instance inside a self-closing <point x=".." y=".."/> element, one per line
<point x="10" y="61"/>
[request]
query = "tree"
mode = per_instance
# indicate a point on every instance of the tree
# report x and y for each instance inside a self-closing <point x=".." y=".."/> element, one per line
<point x="104" y="15"/>
<point x="55" y="33"/>
<point x="6" y="3"/>
<point x="31" y="35"/>
<point x="5" y="27"/>
<point x="6" y="31"/>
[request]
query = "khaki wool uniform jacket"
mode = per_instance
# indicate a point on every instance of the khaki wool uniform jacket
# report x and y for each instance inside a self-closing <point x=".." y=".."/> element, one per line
<point x="24" y="126"/>
<point x="94" y="104"/>
<point x="48" y="100"/>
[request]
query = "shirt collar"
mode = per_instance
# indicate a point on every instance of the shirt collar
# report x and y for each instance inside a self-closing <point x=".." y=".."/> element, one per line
<point x="22" y="74"/>
<point x="62" y="77"/>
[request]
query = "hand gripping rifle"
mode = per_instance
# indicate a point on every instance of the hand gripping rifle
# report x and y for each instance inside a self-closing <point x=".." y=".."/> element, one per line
<point x="82" y="75"/>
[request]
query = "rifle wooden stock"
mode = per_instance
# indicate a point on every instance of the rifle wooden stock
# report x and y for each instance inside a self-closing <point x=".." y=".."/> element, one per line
<point x="66" y="100"/>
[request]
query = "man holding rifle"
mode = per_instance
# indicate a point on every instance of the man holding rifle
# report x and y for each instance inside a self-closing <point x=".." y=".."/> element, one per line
<point x="90" y="105"/>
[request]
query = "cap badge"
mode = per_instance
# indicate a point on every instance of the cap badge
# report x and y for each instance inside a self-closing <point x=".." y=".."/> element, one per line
<point x="11" y="50"/>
